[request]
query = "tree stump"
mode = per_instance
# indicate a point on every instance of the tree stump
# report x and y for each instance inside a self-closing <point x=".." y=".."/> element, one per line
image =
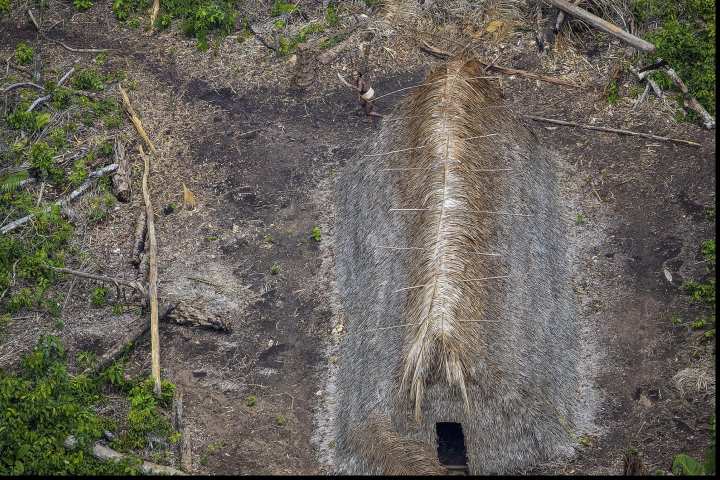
<point x="303" y="75"/>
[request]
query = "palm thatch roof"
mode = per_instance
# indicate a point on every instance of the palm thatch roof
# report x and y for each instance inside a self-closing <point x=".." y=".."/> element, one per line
<point x="454" y="281"/>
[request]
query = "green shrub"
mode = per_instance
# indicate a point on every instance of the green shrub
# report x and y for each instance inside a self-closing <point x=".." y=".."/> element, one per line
<point x="82" y="4"/>
<point x="42" y="405"/>
<point x="4" y="6"/>
<point x="24" y="54"/>
<point x="41" y="156"/>
<point x="88" y="79"/>
<point x="685" y="38"/>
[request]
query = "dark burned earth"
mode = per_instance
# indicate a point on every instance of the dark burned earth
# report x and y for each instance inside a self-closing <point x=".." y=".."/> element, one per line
<point x="262" y="158"/>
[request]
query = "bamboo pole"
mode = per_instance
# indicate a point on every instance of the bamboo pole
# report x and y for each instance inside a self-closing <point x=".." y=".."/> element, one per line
<point x="152" y="281"/>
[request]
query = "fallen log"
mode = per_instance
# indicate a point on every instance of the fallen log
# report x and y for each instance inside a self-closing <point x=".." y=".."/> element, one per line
<point x="121" y="177"/>
<point x="603" y="25"/>
<point x="91" y="178"/>
<point x="152" y="281"/>
<point x="186" y="450"/>
<point x="139" y="243"/>
<point x="611" y="130"/>
<point x="192" y="317"/>
<point x="116" y="351"/>
<point x="104" y="453"/>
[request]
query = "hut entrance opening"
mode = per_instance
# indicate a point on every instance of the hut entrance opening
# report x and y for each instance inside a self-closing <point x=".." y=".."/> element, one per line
<point x="451" y="446"/>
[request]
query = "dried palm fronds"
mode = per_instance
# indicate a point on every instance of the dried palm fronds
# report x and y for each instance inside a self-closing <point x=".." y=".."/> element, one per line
<point x="453" y="280"/>
<point x="388" y="452"/>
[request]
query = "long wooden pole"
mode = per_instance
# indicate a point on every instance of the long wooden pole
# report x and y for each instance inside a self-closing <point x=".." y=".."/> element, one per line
<point x="607" y="27"/>
<point x="152" y="280"/>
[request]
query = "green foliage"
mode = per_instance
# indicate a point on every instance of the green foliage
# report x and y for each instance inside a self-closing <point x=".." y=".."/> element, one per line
<point x="143" y="417"/>
<point x="274" y="270"/>
<point x="79" y="172"/>
<point x="4" y="6"/>
<point x="88" y="79"/>
<point x="316" y="234"/>
<point x="675" y="320"/>
<point x="687" y="465"/>
<point x="41" y="406"/>
<point x="24" y="54"/>
<point x="685" y="38"/>
<point x="12" y="181"/>
<point x="613" y="96"/>
<point x="21" y="119"/>
<point x="41" y="156"/>
<point x="281" y="7"/>
<point x="250" y="401"/>
<point x="97" y="297"/>
<point x="82" y="5"/>
<point x="280" y="419"/>
<point x="332" y="16"/>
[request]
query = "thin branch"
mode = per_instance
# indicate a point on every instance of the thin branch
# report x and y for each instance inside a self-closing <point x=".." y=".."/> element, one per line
<point x="91" y="178"/>
<point x="79" y="50"/>
<point x="611" y="130"/>
<point x="22" y="84"/>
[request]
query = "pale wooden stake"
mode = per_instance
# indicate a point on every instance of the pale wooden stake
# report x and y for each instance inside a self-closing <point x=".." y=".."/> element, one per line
<point x="152" y="281"/>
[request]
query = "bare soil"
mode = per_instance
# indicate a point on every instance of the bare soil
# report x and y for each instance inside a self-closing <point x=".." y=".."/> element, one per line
<point x="260" y="156"/>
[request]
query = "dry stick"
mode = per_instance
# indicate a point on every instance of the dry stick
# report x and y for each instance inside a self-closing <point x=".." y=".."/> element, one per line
<point x="155" y="10"/>
<point x="134" y="118"/>
<point x="48" y="97"/>
<point x="102" y="278"/>
<point x="427" y="48"/>
<point x="689" y="99"/>
<point x="104" y="453"/>
<point x="22" y="84"/>
<point x="152" y="281"/>
<point x="605" y="26"/>
<point x="513" y="71"/>
<point x="611" y="130"/>
<point x="93" y="176"/>
<point x="561" y="18"/>
<point x="79" y="50"/>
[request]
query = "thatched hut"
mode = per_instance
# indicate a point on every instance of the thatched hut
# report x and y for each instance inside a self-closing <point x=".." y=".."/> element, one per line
<point x="455" y="290"/>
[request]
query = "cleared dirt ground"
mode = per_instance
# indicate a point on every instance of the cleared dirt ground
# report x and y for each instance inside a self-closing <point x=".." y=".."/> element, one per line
<point x="260" y="156"/>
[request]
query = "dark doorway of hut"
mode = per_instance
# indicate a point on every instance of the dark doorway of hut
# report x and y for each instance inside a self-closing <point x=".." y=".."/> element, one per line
<point x="451" y="446"/>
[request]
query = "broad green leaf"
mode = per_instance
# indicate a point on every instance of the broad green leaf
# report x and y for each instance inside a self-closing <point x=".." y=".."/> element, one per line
<point x="709" y="466"/>
<point x="23" y="450"/>
<point x="686" y="465"/>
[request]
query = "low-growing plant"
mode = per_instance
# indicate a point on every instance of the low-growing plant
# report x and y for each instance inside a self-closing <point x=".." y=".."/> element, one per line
<point x="316" y="234"/>
<point x="280" y="419"/>
<point x="88" y="79"/>
<point x="250" y="401"/>
<point x="24" y="54"/>
<point x="97" y="297"/>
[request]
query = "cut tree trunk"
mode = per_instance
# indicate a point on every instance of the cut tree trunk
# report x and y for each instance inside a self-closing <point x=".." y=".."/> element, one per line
<point x="605" y="26"/>
<point x="303" y="75"/>
<point x="121" y="178"/>
<point x="139" y="243"/>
